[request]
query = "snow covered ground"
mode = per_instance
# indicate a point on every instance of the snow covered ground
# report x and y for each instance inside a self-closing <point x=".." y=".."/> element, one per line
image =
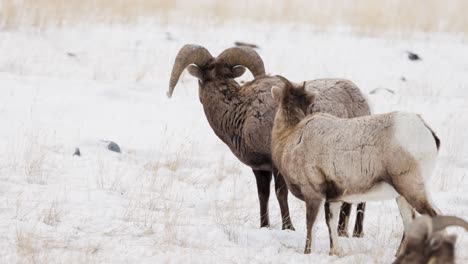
<point x="176" y="193"/>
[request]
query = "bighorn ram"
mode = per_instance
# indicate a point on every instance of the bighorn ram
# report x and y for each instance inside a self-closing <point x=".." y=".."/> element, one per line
<point x="242" y="116"/>
<point x="351" y="160"/>
<point x="427" y="244"/>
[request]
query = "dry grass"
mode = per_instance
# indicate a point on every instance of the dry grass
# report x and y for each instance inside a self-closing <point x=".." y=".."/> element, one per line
<point x="362" y="16"/>
<point x="52" y="215"/>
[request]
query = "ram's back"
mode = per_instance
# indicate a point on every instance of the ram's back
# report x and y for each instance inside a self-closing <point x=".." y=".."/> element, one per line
<point x="338" y="97"/>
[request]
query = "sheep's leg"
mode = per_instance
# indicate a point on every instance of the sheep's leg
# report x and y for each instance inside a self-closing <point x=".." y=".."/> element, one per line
<point x="415" y="194"/>
<point x="359" y="225"/>
<point x="263" y="188"/>
<point x="407" y="215"/>
<point x="282" y="196"/>
<point x="312" y="209"/>
<point x="344" y="219"/>
<point x="332" y="213"/>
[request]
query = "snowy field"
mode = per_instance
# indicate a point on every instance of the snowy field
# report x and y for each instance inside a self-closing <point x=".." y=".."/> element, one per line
<point x="176" y="194"/>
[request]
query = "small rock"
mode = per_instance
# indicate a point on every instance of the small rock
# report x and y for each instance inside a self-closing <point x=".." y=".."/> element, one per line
<point x="245" y="44"/>
<point x="403" y="79"/>
<point x="413" y="56"/>
<point x="71" y="54"/>
<point x="77" y="152"/>
<point x="112" y="146"/>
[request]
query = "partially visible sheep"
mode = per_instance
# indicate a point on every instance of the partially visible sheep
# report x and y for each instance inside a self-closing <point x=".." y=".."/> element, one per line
<point x="426" y="241"/>
<point x="323" y="157"/>
<point x="242" y="116"/>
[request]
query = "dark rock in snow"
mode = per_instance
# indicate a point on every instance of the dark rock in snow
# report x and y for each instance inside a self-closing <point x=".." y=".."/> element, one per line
<point x="403" y="79"/>
<point x="413" y="56"/>
<point x="77" y="152"/>
<point x="245" y="44"/>
<point x="112" y="146"/>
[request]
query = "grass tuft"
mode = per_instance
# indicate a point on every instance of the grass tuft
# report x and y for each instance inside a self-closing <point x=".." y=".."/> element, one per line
<point x="361" y="16"/>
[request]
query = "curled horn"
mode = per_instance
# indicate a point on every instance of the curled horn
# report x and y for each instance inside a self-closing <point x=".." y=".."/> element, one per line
<point x="442" y="222"/>
<point x="244" y="56"/>
<point x="424" y="226"/>
<point x="188" y="54"/>
<point x="286" y="81"/>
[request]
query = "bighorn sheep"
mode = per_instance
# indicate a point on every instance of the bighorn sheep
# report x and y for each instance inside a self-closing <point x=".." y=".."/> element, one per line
<point x="426" y="243"/>
<point x="242" y="116"/>
<point x="351" y="160"/>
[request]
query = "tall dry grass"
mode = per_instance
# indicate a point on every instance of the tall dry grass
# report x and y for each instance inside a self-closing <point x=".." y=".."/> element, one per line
<point x="363" y="16"/>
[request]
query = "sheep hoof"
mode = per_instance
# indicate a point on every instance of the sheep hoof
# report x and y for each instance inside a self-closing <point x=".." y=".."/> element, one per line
<point x="358" y="234"/>
<point x="336" y="252"/>
<point x="288" y="226"/>
<point x="343" y="233"/>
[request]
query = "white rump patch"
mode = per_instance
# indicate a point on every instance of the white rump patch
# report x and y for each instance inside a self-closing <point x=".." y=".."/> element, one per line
<point x="413" y="135"/>
<point x="381" y="191"/>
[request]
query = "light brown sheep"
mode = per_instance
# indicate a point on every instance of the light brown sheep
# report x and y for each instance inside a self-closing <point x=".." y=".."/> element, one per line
<point x="378" y="157"/>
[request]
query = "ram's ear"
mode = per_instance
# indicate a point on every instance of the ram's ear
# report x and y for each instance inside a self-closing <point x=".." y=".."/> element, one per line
<point x="276" y="93"/>
<point x="238" y="71"/>
<point x="195" y="71"/>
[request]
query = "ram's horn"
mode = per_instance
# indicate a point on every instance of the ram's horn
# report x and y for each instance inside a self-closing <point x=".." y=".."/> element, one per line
<point x="244" y="56"/>
<point x="188" y="54"/>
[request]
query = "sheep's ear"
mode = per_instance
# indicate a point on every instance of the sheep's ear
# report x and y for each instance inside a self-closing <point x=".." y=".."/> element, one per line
<point x="238" y="71"/>
<point x="195" y="71"/>
<point x="276" y="93"/>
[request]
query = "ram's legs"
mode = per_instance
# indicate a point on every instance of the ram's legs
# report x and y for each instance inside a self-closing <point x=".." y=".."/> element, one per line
<point x="345" y="212"/>
<point x="282" y="196"/>
<point x="359" y="225"/>
<point x="263" y="179"/>
<point x="344" y="219"/>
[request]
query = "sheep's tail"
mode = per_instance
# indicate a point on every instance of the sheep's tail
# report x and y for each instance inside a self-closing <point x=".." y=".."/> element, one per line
<point x="436" y="138"/>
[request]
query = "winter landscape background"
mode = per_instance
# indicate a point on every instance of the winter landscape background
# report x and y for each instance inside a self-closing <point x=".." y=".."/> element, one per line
<point x="76" y="73"/>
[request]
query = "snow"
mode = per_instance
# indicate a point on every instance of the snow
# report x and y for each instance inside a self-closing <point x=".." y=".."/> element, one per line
<point x="176" y="193"/>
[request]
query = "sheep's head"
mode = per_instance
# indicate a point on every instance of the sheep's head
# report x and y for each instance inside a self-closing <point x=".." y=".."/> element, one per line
<point x="426" y="241"/>
<point x="292" y="97"/>
<point x="230" y="64"/>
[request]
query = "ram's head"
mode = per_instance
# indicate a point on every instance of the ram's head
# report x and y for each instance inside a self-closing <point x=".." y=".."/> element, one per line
<point x="230" y="64"/>
<point x="427" y="242"/>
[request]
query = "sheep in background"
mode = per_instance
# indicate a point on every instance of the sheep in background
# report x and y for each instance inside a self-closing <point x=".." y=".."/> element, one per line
<point x="242" y="116"/>
<point x="426" y="242"/>
<point x="378" y="157"/>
